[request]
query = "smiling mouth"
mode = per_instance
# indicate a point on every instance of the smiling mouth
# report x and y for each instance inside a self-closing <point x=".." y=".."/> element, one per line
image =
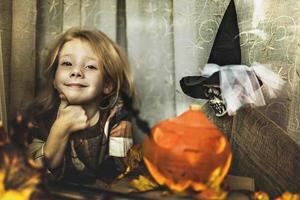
<point x="75" y="85"/>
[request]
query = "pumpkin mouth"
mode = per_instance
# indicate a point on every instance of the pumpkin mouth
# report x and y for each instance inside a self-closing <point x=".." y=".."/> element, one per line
<point x="178" y="187"/>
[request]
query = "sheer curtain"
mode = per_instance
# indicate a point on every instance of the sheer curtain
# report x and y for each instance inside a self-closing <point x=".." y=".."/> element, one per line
<point x="165" y="40"/>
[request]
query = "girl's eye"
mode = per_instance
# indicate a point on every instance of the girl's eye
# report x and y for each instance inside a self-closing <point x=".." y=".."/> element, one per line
<point x="91" y="67"/>
<point x="66" y="63"/>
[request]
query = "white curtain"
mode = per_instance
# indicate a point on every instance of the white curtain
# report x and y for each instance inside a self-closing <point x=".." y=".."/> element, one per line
<point x="151" y="52"/>
<point x="165" y="40"/>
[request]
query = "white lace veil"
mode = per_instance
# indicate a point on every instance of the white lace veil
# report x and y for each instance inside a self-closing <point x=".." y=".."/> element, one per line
<point x="240" y="84"/>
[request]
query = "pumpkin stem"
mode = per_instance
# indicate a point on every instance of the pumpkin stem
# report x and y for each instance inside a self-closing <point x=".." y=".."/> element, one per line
<point x="195" y="107"/>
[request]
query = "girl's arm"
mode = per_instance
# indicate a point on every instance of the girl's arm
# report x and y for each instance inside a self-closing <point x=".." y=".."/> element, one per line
<point x="70" y="118"/>
<point x="55" y="146"/>
<point x="36" y="150"/>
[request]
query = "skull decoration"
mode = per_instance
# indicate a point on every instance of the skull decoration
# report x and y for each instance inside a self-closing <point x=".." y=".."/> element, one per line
<point x="215" y="100"/>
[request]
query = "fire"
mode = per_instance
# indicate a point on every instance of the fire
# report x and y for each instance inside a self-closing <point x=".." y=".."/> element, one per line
<point x="19" y="176"/>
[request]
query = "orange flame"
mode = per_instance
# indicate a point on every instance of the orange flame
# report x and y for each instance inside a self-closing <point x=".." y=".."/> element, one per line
<point x="19" y="176"/>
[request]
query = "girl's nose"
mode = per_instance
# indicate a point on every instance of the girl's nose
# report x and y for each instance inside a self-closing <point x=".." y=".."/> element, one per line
<point x="76" y="72"/>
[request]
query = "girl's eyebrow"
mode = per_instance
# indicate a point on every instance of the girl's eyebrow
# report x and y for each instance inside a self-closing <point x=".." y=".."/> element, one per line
<point x="86" y="58"/>
<point x="64" y="55"/>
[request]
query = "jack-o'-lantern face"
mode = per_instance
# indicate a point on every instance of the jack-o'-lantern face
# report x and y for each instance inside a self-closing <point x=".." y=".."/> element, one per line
<point x="187" y="151"/>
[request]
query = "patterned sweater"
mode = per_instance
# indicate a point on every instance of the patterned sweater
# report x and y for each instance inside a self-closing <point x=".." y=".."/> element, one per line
<point x="96" y="152"/>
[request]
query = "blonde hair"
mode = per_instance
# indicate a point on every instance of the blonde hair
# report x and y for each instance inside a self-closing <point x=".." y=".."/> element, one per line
<point x="114" y="64"/>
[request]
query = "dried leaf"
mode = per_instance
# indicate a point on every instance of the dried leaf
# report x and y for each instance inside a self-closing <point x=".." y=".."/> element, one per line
<point x="16" y="195"/>
<point x="261" y="196"/>
<point x="143" y="184"/>
<point x="288" y="196"/>
<point x="209" y="194"/>
<point x="135" y="156"/>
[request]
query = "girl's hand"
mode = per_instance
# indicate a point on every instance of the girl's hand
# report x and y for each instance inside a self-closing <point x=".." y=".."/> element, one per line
<point x="71" y="118"/>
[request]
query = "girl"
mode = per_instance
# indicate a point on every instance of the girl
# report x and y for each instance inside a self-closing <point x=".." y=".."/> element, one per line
<point x="81" y="130"/>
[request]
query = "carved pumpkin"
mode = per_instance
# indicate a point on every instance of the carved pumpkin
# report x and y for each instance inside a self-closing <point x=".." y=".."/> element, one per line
<point x="187" y="151"/>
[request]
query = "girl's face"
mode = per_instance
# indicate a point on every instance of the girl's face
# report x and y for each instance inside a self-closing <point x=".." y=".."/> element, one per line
<point x="78" y="75"/>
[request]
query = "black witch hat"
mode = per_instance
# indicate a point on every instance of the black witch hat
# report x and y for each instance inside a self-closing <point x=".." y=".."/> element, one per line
<point x="225" y="51"/>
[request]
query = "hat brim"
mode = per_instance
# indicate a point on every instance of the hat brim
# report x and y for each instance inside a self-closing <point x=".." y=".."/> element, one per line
<point x="196" y="86"/>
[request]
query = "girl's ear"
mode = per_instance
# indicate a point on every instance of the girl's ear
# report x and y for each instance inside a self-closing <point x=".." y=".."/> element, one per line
<point x="108" y="88"/>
